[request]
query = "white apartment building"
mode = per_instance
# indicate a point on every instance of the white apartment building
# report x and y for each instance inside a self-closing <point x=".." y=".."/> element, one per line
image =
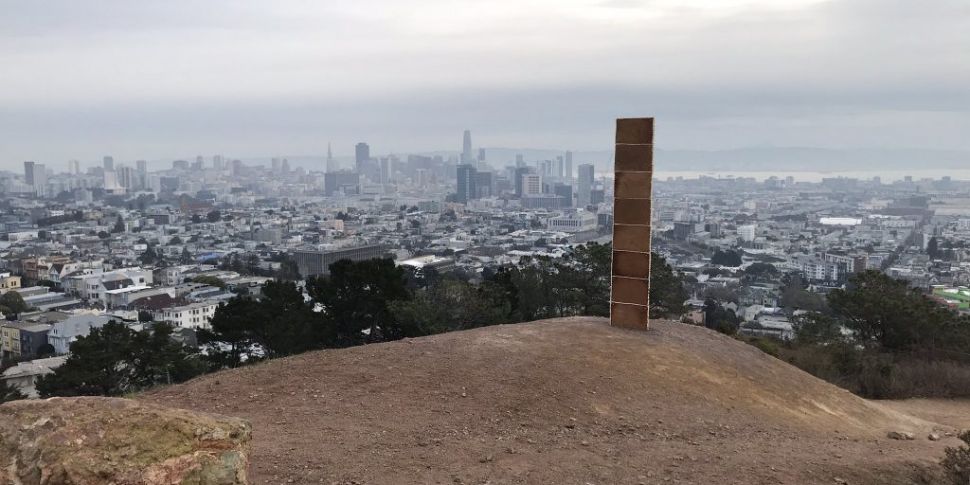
<point x="193" y="315"/>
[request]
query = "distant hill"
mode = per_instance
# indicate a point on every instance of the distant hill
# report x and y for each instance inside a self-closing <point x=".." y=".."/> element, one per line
<point x="566" y="401"/>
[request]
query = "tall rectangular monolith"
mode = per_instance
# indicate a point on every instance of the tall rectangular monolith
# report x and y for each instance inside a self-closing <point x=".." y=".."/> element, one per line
<point x="633" y="167"/>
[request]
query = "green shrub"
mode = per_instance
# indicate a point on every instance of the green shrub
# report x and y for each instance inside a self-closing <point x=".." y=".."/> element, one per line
<point x="957" y="461"/>
<point x="767" y="346"/>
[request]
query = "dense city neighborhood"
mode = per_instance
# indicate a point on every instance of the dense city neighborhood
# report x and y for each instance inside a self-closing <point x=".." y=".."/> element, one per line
<point x="120" y="242"/>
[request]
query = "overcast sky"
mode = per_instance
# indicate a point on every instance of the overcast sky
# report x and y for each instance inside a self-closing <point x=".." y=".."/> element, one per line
<point x="160" y="80"/>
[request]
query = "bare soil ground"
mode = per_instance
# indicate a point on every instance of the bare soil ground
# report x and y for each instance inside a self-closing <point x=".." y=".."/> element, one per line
<point x="565" y="401"/>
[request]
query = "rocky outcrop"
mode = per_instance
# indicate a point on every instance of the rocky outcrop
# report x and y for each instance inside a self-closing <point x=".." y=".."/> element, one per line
<point x="88" y="440"/>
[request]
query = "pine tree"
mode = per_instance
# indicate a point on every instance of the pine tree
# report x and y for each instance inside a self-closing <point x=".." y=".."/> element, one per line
<point x="9" y="393"/>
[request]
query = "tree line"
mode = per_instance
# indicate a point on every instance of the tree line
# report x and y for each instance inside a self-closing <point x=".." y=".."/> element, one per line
<point x="880" y="338"/>
<point x="357" y="303"/>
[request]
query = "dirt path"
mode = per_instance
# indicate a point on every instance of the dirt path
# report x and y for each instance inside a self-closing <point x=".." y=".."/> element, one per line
<point x="567" y="401"/>
<point x="954" y="413"/>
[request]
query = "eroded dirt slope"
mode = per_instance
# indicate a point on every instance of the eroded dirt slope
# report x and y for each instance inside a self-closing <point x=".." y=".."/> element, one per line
<point x="559" y="402"/>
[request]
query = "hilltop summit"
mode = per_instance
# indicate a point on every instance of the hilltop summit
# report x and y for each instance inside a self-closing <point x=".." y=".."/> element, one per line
<point x="559" y="401"/>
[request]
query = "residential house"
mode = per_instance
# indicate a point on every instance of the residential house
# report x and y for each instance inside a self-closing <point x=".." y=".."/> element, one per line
<point x="193" y="315"/>
<point x="64" y="333"/>
<point x="24" y="375"/>
<point x="8" y="282"/>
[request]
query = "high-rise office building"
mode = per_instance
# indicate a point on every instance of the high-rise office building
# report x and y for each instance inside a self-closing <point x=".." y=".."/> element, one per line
<point x="466" y="147"/>
<point x="585" y="184"/>
<point x="531" y="184"/>
<point x="387" y="166"/>
<point x="40" y="179"/>
<point x="218" y="162"/>
<point x="73" y="167"/>
<point x="467" y="183"/>
<point x="362" y="152"/>
<point x="560" y="167"/>
<point x="520" y="172"/>
<point x="141" y="175"/>
<point x="29" y="172"/>
<point x="126" y="178"/>
<point x="35" y="174"/>
<point x="481" y="154"/>
<point x="341" y="181"/>
<point x="484" y="184"/>
<point x="566" y="192"/>
<point x="108" y="163"/>
<point x="569" y="165"/>
<point x="331" y="164"/>
<point x="109" y="180"/>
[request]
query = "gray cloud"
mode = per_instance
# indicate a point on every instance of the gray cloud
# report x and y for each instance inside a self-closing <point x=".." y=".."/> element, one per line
<point x="155" y="80"/>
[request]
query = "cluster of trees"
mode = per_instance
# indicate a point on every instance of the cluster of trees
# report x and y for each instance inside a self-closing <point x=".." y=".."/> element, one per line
<point x="882" y="339"/>
<point x="9" y="393"/>
<point x="945" y="250"/>
<point x="207" y="280"/>
<point x="375" y="300"/>
<point x="729" y="258"/>
<point x="883" y="313"/>
<point x="716" y="317"/>
<point x="114" y="360"/>
<point x="73" y="216"/>
<point x="357" y="303"/>
<point x="211" y="216"/>
<point x="12" y="304"/>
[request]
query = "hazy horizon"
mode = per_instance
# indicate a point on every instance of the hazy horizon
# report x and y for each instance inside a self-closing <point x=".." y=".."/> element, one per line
<point x="140" y="80"/>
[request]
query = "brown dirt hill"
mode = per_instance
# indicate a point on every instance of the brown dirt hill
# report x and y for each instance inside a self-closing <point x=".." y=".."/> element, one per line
<point x="564" y="401"/>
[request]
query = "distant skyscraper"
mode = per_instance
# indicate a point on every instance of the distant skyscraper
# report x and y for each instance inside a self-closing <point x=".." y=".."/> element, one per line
<point x="126" y="178"/>
<point x="531" y="185"/>
<point x="38" y="177"/>
<point x="519" y="159"/>
<point x="560" y="167"/>
<point x="341" y="181"/>
<point x="362" y="152"/>
<point x="73" y="167"/>
<point x="141" y="175"/>
<point x="331" y="164"/>
<point x="585" y="186"/>
<point x="481" y="154"/>
<point x="466" y="148"/>
<point x="484" y="183"/>
<point x="566" y="192"/>
<point x="199" y="163"/>
<point x="277" y="165"/>
<point x="218" y="162"/>
<point x="569" y="165"/>
<point x="29" y="172"/>
<point x="467" y="182"/>
<point x="110" y="180"/>
<point x="108" y="163"/>
<point x="386" y="168"/>
<point x="520" y="173"/>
